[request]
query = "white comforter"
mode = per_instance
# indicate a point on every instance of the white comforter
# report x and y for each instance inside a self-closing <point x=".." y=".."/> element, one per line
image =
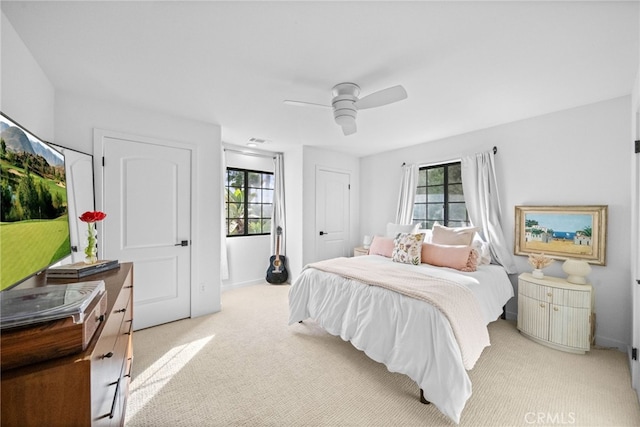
<point x="407" y="335"/>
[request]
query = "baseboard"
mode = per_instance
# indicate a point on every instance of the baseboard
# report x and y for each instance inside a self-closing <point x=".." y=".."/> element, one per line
<point x="610" y="343"/>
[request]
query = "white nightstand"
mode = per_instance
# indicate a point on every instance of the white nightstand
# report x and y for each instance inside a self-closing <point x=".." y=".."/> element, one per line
<point x="360" y="250"/>
<point x="556" y="313"/>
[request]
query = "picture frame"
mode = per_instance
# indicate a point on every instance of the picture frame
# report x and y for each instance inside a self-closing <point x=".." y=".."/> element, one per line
<point x="562" y="232"/>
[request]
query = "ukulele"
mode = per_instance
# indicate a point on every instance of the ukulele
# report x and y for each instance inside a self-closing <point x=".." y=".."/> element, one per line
<point x="277" y="272"/>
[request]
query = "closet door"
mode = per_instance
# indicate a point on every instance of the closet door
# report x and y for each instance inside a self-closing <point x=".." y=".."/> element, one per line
<point x="635" y="262"/>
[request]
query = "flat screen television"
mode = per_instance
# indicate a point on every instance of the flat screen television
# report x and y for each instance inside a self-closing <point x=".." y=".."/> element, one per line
<point x="34" y="219"/>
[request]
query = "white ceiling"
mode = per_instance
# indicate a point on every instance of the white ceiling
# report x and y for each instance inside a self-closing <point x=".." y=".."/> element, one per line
<point x="465" y="65"/>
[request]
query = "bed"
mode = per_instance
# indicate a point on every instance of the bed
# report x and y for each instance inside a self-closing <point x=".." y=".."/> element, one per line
<point x="408" y="335"/>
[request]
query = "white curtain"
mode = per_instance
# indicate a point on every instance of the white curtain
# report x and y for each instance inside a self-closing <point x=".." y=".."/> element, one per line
<point x="224" y="262"/>
<point x="483" y="204"/>
<point x="278" y="217"/>
<point x="407" y="194"/>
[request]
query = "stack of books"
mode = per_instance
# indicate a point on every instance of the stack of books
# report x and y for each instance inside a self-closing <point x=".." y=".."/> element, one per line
<point x="80" y="269"/>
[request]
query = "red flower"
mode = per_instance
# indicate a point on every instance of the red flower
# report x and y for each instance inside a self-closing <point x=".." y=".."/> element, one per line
<point x="92" y="216"/>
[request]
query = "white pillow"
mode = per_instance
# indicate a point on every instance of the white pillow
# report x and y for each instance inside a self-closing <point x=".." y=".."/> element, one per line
<point x="394" y="229"/>
<point x="453" y="235"/>
<point x="428" y="235"/>
<point x="482" y="247"/>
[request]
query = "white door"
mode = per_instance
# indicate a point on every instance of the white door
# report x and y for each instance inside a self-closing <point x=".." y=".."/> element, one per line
<point x="79" y="169"/>
<point x="147" y="199"/>
<point x="635" y="267"/>
<point x="332" y="213"/>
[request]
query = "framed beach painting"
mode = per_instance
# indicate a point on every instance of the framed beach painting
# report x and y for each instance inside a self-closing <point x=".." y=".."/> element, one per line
<point x="562" y="232"/>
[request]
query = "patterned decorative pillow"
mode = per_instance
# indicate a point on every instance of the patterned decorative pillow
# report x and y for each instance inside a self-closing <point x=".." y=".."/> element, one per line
<point x="407" y="248"/>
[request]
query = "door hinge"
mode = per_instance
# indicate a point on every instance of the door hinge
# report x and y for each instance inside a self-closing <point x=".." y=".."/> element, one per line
<point x="634" y="353"/>
<point x="638" y="146"/>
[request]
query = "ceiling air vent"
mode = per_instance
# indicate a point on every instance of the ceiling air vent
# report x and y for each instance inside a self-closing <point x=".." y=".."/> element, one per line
<point x="254" y="142"/>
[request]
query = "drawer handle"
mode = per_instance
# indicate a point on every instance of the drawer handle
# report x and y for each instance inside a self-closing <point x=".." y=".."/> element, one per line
<point x="542" y="305"/>
<point x="112" y="413"/>
<point x="122" y="310"/>
<point x="549" y="294"/>
<point x="130" y="367"/>
<point x="107" y="355"/>
<point x="555" y="308"/>
<point x="100" y="318"/>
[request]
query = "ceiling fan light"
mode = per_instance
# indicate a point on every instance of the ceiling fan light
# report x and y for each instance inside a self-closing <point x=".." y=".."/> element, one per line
<point x="345" y="120"/>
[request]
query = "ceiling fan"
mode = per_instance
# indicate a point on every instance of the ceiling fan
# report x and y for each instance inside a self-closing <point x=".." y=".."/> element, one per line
<point x="345" y="103"/>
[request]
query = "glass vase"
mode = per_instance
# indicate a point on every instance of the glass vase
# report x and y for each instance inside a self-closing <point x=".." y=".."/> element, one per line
<point x="91" y="251"/>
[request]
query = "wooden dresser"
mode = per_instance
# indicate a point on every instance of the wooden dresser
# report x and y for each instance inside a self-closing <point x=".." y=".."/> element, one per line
<point x="82" y="389"/>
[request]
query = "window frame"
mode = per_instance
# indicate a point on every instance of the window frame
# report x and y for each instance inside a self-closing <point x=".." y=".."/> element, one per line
<point x="446" y="221"/>
<point x="246" y="202"/>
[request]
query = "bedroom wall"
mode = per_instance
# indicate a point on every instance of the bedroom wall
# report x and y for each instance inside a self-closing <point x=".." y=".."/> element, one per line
<point x="313" y="157"/>
<point x="574" y="157"/>
<point x="295" y="199"/>
<point x="66" y="119"/>
<point x="248" y="256"/>
<point x="77" y="116"/>
<point x="27" y="95"/>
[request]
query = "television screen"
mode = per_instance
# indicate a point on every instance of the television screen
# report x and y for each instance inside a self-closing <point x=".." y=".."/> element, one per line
<point x="34" y="220"/>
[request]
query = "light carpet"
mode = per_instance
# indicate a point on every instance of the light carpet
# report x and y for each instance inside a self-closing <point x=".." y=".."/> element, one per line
<point x="244" y="366"/>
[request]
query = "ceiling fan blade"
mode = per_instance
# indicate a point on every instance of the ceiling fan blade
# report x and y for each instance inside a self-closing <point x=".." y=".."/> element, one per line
<point x="305" y="104"/>
<point x="382" y="97"/>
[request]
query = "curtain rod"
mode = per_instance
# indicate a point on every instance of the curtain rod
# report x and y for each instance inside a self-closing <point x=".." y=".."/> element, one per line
<point x="495" y="151"/>
<point x="249" y="153"/>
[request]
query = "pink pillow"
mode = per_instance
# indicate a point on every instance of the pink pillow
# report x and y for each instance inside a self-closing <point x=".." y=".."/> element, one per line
<point x="381" y="246"/>
<point x="463" y="258"/>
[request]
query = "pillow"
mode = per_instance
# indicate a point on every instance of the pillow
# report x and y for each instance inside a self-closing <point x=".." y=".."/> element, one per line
<point x="428" y="235"/>
<point x="463" y="258"/>
<point x="381" y="246"/>
<point x="453" y="236"/>
<point x="407" y="248"/>
<point x="394" y="229"/>
<point x="482" y="247"/>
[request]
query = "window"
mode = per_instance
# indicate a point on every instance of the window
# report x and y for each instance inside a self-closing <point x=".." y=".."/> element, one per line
<point x="248" y="202"/>
<point x="439" y="197"/>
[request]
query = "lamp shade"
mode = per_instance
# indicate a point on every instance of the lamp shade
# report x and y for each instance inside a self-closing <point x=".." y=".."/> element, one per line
<point x="577" y="271"/>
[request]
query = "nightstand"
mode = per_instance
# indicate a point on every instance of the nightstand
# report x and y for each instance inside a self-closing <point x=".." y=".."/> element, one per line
<point x="360" y="250"/>
<point x="556" y="313"/>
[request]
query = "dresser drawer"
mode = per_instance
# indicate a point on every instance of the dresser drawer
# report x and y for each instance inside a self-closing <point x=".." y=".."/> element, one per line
<point x="564" y="297"/>
<point x="88" y="388"/>
<point x="112" y="357"/>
